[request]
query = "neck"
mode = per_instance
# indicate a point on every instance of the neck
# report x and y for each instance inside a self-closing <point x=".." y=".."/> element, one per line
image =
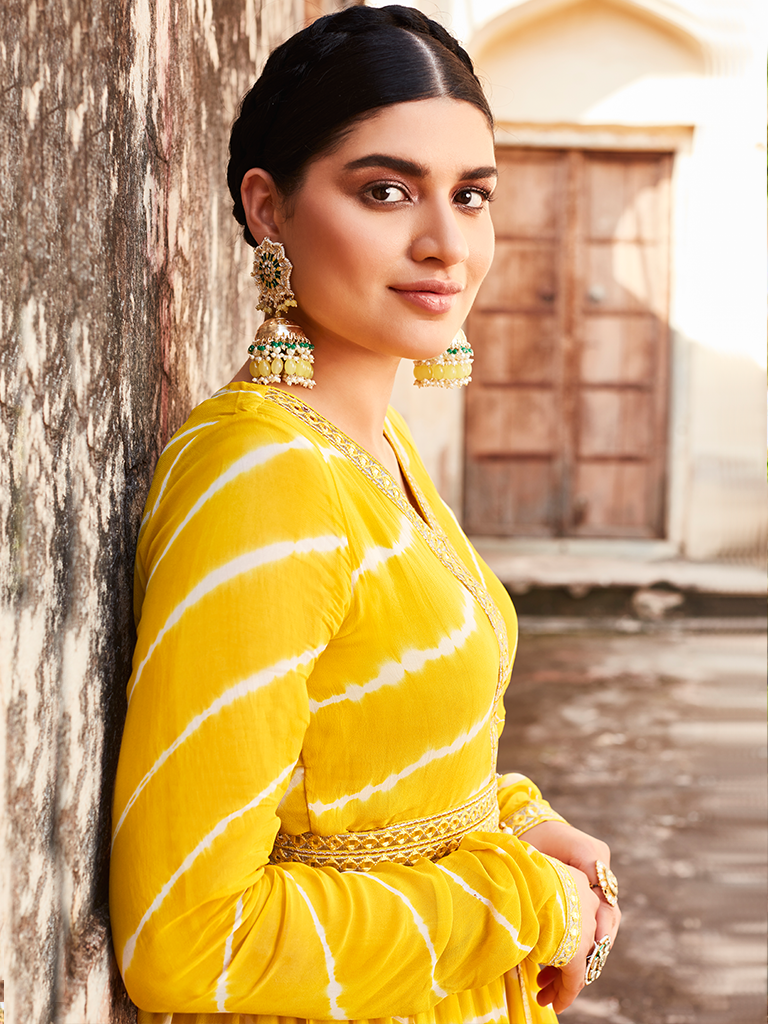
<point x="352" y="389"/>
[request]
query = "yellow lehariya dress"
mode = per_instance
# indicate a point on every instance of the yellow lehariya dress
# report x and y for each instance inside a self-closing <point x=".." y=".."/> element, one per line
<point x="317" y="659"/>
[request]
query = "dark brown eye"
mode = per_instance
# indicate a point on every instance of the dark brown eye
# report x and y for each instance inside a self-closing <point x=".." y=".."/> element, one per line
<point x="473" y="198"/>
<point x="386" y="193"/>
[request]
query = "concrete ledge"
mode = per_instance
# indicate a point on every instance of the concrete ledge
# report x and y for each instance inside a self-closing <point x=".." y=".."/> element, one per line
<point x="623" y="583"/>
<point x="564" y="624"/>
<point x="520" y="572"/>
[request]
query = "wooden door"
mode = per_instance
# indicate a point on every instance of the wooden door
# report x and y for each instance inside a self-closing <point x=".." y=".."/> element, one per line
<point x="566" y="415"/>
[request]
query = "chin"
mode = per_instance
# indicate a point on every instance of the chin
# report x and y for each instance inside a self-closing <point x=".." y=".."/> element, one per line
<point x="431" y="346"/>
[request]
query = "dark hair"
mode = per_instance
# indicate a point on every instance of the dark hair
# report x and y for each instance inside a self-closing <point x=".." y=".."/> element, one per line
<point x="336" y="72"/>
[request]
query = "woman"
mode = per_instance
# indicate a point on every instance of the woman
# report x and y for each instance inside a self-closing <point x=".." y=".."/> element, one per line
<point x="307" y="820"/>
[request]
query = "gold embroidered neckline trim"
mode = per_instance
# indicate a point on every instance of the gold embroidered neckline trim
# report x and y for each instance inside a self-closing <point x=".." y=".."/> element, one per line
<point x="432" y="533"/>
<point x="404" y="843"/>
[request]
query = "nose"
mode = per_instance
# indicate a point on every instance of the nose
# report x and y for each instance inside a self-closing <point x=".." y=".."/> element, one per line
<point x="439" y="234"/>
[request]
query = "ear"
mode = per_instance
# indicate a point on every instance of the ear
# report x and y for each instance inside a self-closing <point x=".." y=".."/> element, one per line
<point x="262" y="203"/>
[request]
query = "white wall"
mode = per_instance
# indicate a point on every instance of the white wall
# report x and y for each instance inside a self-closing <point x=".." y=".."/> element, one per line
<point x="591" y="63"/>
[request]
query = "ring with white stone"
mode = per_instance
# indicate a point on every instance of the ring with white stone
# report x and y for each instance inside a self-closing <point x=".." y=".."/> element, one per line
<point x="607" y="883"/>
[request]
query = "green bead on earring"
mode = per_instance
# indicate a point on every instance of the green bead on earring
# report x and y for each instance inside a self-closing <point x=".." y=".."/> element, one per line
<point x="451" y="369"/>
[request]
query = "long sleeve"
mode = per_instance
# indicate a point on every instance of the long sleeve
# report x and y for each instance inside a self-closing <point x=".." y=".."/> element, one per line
<point x="245" y="579"/>
<point x="521" y="804"/>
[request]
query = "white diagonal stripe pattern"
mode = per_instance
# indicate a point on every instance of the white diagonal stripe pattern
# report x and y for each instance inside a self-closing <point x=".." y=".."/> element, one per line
<point x="378" y="556"/>
<point x="218" y="829"/>
<point x="499" y="918"/>
<point x="224" y="573"/>
<point x="296" y="778"/>
<point x="411" y="661"/>
<point x="167" y="476"/>
<point x="242" y="689"/>
<point x="151" y="511"/>
<point x="185" y="433"/>
<point x="244" y="464"/>
<point x="221" y="987"/>
<point x="330" y="453"/>
<point x="418" y="921"/>
<point x="318" y="807"/>
<point x="334" y="988"/>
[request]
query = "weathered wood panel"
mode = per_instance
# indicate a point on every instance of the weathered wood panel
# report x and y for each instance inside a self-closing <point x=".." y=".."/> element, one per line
<point x="513" y="416"/>
<point x="570" y="337"/>
<point x="620" y="323"/>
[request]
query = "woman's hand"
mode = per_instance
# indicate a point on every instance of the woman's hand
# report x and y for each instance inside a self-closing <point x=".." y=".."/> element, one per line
<point x="578" y="850"/>
<point x="561" y="985"/>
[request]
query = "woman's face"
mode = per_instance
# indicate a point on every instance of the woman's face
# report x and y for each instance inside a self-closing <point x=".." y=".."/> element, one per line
<point x="390" y="235"/>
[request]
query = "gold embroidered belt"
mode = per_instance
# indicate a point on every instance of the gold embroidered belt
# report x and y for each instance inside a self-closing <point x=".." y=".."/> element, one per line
<point x="403" y="843"/>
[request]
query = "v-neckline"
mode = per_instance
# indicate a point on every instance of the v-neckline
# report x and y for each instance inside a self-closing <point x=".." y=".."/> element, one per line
<point x="422" y="515"/>
<point x="419" y="504"/>
<point x="428" y="526"/>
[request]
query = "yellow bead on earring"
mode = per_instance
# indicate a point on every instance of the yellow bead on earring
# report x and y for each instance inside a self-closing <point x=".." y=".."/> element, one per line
<point x="451" y="369"/>
<point x="281" y="351"/>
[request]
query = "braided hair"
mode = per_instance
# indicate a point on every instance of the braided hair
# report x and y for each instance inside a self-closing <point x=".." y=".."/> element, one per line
<point x="333" y="74"/>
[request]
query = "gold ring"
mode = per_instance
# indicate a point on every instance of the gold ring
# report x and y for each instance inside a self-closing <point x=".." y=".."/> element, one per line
<point x="596" y="959"/>
<point x="607" y="883"/>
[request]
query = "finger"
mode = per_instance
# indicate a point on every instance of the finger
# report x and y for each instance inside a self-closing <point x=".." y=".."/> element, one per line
<point x="607" y="921"/>
<point x="546" y="976"/>
<point x="568" y="987"/>
<point x="570" y="982"/>
<point x="546" y="995"/>
<point x="548" y="981"/>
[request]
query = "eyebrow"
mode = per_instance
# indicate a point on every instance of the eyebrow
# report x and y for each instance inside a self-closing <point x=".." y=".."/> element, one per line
<point x="395" y="163"/>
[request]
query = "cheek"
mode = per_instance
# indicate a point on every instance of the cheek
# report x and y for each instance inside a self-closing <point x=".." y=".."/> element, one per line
<point x="331" y="249"/>
<point x="335" y="240"/>
<point x="482" y="254"/>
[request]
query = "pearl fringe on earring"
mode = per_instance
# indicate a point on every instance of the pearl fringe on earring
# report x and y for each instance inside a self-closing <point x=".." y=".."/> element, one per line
<point x="451" y="369"/>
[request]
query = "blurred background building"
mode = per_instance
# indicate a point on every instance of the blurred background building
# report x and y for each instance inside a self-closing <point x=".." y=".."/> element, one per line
<point x="617" y="405"/>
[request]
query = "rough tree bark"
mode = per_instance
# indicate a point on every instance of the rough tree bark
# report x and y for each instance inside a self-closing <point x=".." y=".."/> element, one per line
<point x="125" y="300"/>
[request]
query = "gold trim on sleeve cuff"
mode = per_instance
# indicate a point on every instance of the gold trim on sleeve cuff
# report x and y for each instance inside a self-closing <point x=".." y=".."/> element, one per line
<point x="566" y="951"/>
<point x="530" y="814"/>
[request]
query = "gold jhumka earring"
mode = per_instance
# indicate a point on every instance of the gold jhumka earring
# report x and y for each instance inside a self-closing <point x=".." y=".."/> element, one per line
<point x="281" y="351"/>
<point x="451" y="369"/>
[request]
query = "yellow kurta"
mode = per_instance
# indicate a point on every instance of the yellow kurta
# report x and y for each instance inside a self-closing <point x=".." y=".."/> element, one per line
<point x="315" y="656"/>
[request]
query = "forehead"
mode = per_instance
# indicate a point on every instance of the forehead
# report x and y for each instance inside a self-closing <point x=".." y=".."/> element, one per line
<point x="436" y="133"/>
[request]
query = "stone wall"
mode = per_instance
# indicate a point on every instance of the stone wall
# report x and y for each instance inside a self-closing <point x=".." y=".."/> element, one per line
<point x="125" y="299"/>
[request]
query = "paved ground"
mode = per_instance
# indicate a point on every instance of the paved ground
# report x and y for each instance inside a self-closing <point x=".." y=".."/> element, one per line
<point x="657" y="744"/>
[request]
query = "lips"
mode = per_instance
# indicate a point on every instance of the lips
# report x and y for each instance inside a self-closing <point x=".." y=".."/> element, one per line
<point x="432" y="295"/>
